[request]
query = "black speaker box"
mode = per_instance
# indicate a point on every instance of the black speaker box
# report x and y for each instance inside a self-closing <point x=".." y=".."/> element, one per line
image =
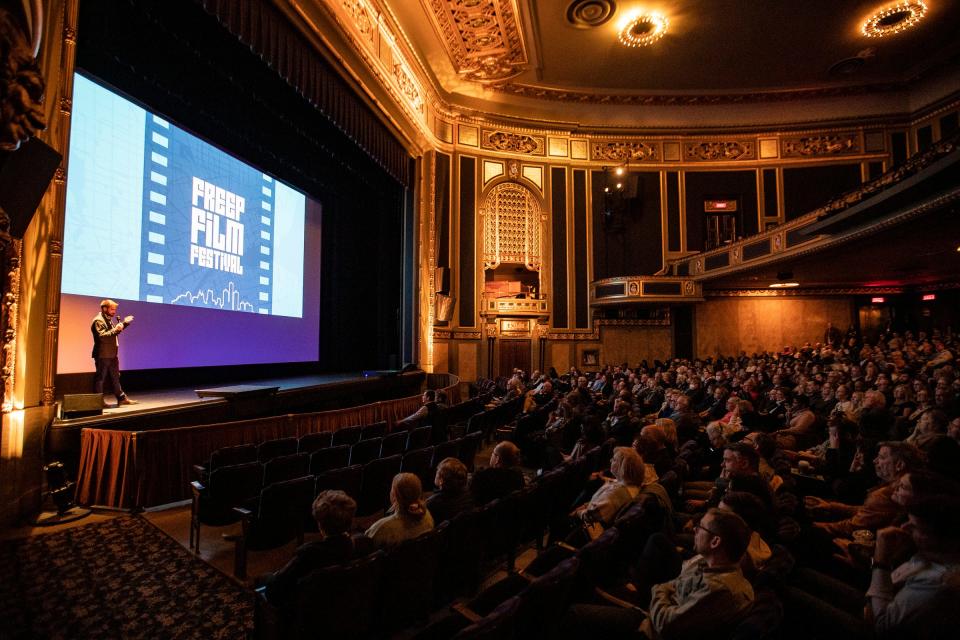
<point x="24" y="177"/>
<point x="81" y="405"/>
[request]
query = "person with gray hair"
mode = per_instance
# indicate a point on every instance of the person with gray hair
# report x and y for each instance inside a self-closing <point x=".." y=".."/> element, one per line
<point x="333" y="512"/>
<point x="501" y="477"/>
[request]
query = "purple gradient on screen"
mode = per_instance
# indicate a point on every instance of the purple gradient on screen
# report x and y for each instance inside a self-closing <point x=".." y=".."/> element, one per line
<point x="165" y="336"/>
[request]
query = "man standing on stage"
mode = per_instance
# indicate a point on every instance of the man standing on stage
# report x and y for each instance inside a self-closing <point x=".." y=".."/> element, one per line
<point x="105" y="346"/>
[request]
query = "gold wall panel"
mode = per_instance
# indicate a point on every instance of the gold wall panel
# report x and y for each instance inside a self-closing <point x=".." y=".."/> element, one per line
<point x="769" y="148"/>
<point x="441" y="357"/>
<point x="444" y="131"/>
<point x="534" y="175"/>
<point x="557" y="147"/>
<point x="468" y="361"/>
<point x="560" y="356"/>
<point x="468" y="136"/>
<point x="492" y="170"/>
<point x="873" y="141"/>
<point x="827" y="144"/>
<point x="671" y="152"/>
<point x="578" y="149"/>
<point x="730" y="325"/>
<point x="633" y="344"/>
<point x="719" y="150"/>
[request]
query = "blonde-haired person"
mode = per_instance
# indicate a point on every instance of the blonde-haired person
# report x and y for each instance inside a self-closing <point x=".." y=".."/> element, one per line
<point x="408" y="516"/>
<point x="628" y="471"/>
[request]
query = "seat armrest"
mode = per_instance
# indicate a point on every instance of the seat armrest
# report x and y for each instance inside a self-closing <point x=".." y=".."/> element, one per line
<point x="618" y="602"/>
<point x="466" y="612"/>
<point x="197" y="487"/>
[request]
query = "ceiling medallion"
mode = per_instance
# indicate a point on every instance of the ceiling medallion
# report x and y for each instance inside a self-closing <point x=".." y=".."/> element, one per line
<point x="894" y="19"/>
<point x="586" y="14"/>
<point x="643" y="29"/>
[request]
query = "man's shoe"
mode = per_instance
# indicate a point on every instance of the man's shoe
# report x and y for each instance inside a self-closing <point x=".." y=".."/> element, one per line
<point x="125" y="401"/>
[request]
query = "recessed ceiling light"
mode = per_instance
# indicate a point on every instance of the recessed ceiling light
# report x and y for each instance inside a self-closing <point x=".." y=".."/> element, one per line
<point x="643" y="29"/>
<point x="784" y="285"/>
<point x="894" y="18"/>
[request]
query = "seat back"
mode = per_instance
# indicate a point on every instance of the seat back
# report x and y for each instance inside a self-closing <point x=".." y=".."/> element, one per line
<point x="599" y="560"/>
<point x="270" y="449"/>
<point x="286" y="468"/>
<point x="375" y="430"/>
<point x="448" y="449"/>
<point x="394" y="443"/>
<point x="365" y="451"/>
<point x="330" y="458"/>
<point x="227" y="456"/>
<point x="459" y="570"/>
<point x="314" y="441"/>
<point x="469" y="446"/>
<point x="339" y="601"/>
<point x="501" y="624"/>
<point x="283" y="511"/>
<point x="408" y="579"/>
<point x="418" y="462"/>
<point x="544" y="602"/>
<point x="418" y="438"/>
<point x="347" y="435"/>
<point x="346" y="479"/>
<point x="235" y="485"/>
<point x="375" y="489"/>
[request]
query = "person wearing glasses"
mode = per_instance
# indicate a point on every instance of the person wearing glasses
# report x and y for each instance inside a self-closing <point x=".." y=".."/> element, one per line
<point x="709" y="598"/>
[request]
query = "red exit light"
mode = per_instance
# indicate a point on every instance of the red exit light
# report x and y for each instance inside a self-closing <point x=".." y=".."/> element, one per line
<point x="927" y="297"/>
<point x="878" y="300"/>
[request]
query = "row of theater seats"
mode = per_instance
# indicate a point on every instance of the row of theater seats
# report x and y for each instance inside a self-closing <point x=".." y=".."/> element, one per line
<point x="273" y="499"/>
<point x="396" y="589"/>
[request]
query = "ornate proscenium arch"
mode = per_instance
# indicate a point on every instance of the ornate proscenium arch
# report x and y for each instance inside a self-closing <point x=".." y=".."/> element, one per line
<point x="512" y="226"/>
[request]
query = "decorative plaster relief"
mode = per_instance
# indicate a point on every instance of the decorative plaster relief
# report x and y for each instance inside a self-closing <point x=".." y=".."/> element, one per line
<point x="482" y="37"/>
<point x="711" y="151"/>
<point x="624" y="151"/>
<point x="512" y="142"/>
<point x="825" y="145"/>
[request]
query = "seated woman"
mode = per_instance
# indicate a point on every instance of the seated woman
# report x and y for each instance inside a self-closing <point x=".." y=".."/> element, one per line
<point x="408" y="516"/>
<point x="628" y="471"/>
<point x="333" y="511"/>
<point x="451" y="496"/>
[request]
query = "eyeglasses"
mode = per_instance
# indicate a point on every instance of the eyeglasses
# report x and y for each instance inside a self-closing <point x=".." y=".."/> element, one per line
<point x="700" y="526"/>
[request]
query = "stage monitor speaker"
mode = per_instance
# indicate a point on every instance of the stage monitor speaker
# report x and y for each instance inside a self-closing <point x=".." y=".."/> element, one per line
<point x="82" y="405"/>
<point x="24" y="177"/>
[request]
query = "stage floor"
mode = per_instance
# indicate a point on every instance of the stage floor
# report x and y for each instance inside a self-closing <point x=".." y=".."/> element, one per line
<point x="185" y="398"/>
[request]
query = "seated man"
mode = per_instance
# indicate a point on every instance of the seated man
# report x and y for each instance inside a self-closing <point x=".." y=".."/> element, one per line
<point x="333" y="511"/>
<point x="923" y="592"/>
<point x="503" y="476"/>
<point x="708" y="599"/>
<point x="451" y="495"/>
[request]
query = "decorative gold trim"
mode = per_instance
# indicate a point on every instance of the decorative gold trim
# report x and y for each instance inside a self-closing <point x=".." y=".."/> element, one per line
<point x="820" y="145"/>
<point x="8" y="322"/>
<point x="482" y="37"/>
<point x="715" y="151"/>
<point x="615" y="151"/>
<point x="512" y="142"/>
<point x="679" y="100"/>
<point x="800" y="293"/>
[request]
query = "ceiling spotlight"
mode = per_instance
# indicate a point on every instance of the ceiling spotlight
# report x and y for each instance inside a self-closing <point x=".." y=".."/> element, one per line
<point x="619" y="185"/>
<point x="894" y="18"/>
<point x="784" y="285"/>
<point x="619" y="171"/>
<point x="643" y="29"/>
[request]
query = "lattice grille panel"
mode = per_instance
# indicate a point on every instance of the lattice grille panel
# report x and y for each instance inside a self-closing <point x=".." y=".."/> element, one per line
<point x="512" y="227"/>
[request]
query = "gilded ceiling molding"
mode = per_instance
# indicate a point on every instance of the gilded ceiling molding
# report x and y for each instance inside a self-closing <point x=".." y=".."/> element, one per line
<point x="677" y="100"/>
<point x="482" y="37"/>
<point x="624" y="151"/>
<point x="512" y="142"/>
<point x="802" y="293"/>
<point x="822" y="145"/>
<point x="711" y="151"/>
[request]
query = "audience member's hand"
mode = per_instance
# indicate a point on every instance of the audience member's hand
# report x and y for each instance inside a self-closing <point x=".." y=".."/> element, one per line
<point x="694" y="505"/>
<point x="891" y="543"/>
<point x="815" y="505"/>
